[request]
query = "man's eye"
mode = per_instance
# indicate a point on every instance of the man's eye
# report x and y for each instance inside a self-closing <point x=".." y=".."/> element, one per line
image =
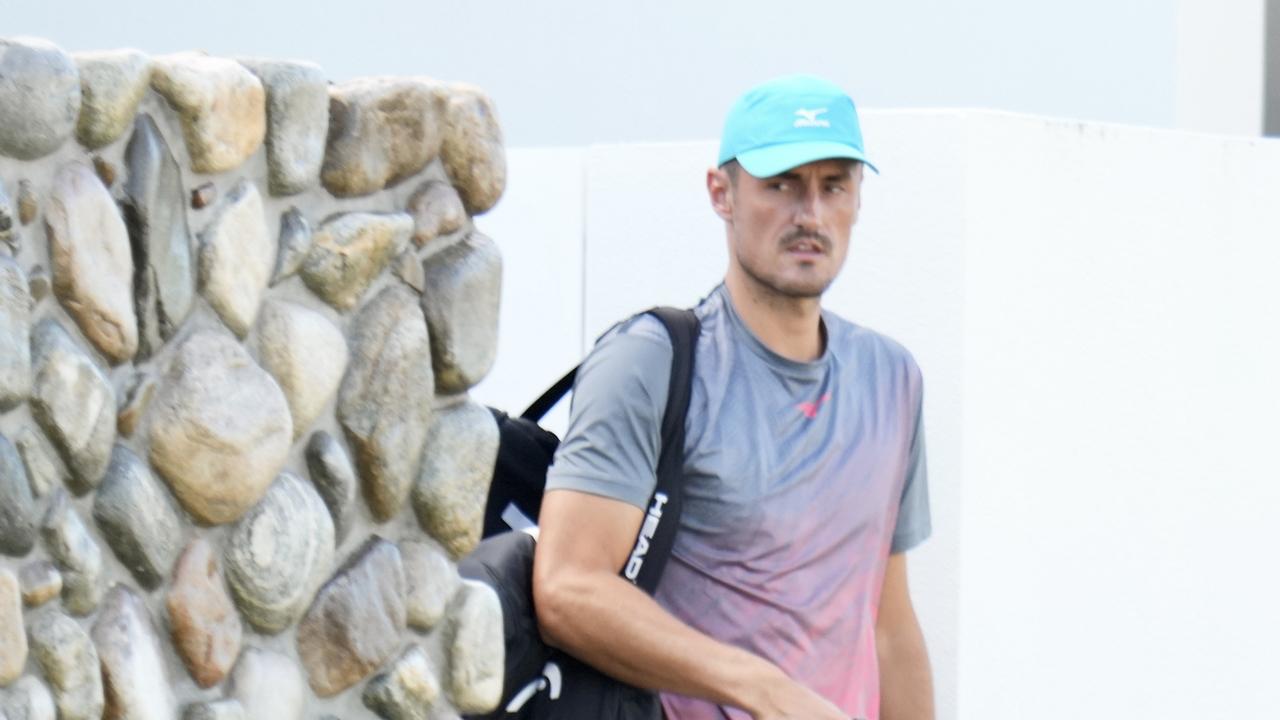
<point x="777" y="185"/>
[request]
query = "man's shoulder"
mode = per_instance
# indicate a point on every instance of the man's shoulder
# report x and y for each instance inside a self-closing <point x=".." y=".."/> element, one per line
<point x="851" y="339"/>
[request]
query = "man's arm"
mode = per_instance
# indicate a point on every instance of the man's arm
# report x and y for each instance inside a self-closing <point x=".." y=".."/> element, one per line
<point x="587" y="609"/>
<point x="906" y="682"/>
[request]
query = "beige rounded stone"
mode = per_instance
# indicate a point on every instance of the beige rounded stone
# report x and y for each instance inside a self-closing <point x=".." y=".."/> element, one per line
<point x="305" y="353"/>
<point x="92" y="262"/>
<point x="15" y="334"/>
<point x="477" y="652"/>
<point x="381" y="131"/>
<point x="457" y="465"/>
<point x="237" y="255"/>
<point x="348" y="251"/>
<point x="69" y="660"/>
<point x="219" y="428"/>
<point x="13" y="637"/>
<point x="437" y="210"/>
<point x="74" y="404"/>
<point x="112" y="84"/>
<point x="462" y="297"/>
<point x="297" y="122"/>
<point x="134" y="679"/>
<point x="205" y="625"/>
<point x="39" y="97"/>
<point x="221" y="104"/>
<point x="472" y="149"/>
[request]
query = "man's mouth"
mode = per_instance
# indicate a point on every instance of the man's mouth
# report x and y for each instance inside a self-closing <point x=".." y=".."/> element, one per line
<point x="806" y="246"/>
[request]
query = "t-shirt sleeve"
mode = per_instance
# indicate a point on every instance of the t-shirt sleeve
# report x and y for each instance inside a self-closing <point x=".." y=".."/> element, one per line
<point x="914" y="521"/>
<point x="615" y="419"/>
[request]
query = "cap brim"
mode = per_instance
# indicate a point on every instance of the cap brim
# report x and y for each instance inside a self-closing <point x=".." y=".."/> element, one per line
<point x="776" y="159"/>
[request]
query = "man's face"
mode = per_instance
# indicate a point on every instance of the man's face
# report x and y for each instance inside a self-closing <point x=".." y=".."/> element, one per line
<point x="789" y="234"/>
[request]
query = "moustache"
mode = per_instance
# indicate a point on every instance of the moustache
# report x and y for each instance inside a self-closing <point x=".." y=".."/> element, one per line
<point x="797" y="235"/>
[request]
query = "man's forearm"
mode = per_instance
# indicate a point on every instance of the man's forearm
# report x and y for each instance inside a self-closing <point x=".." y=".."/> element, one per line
<point x="906" y="680"/>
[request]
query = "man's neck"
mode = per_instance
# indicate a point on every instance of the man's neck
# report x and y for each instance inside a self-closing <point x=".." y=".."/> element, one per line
<point x="790" y="327"/>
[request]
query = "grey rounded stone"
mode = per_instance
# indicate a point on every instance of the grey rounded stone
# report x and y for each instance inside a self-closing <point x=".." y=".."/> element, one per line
<point x="39" y="97"/>
<point x="228" y="709"/>
<point x="92" y="262"/>
<point x="437" y="210"/>
<point x="457" y="466"/>
<point x="477" y="650"/>
<point x="472" y="150"/>
<point x="28" y="699"/>
<point x="385" y="401"/>
<point x="222" y="107"/>
<point x="349" y="250"/>
<point x="268" y="686"/>
<point x="13" y="637"/>
<point x="381" y="131"/>
<point x="356" y="621"/>
<point x="134" y="679"/>
<point x="15" y="335"/>
<point x="295" y="243"/>
<point x="112" y="84"/>
<point x="138" y="518"/>
<point x="219" y="428"/>
<point x="77" y="554"/>
<point x="39" y="284"/>
<point x="407" y="690"/>
<point x="464" y="289"/>
<point x="205" y="625"/>
<point x="297" y="122"/>
<point x="153" y="203"/>
<point x="432" y="580"/>
<point x="40" y="581"/>
<point x="408" y="268"/>
<point x="278" y="553"/>
<point x="305" y="353"/>
<point x="37" y="457"/>
<point x="28" y="204"/>
<point x="70" y="664"/>
<point x="236" y="258"/>
<point x="74" y="404"/>
<point x="17" y="505"/>
<point x="334" y="478"/>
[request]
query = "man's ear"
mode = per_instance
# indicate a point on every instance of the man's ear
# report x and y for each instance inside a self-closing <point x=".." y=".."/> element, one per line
<point x="720" y="190"/>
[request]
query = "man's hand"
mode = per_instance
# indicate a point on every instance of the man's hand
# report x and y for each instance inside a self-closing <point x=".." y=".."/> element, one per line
<point x="789" y="701"/>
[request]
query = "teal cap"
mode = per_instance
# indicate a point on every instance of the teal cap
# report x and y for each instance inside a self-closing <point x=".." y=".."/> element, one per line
<point x="791" y="121"/>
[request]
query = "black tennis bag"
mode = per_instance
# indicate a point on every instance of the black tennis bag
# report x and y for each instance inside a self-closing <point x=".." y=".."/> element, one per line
<point x="541" y="682"/>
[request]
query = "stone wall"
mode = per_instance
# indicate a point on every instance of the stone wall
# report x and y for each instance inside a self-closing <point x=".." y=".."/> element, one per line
<point x="240" y="311"/>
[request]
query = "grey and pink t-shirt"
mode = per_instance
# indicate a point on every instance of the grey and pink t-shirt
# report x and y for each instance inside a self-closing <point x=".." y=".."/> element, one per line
<point x="800" y="479"/>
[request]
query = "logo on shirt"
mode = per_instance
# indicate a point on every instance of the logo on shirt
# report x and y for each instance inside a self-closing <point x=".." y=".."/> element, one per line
<point x="809" y="118"/>
<point x="810" y="409"/>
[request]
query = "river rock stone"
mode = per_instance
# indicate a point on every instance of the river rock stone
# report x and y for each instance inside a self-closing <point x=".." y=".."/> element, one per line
<point x="431" y="582"/>
<point x="268" y="686"/>
<point x="15" y="334"/>
<point x="385" y="402"/>
<point x="8" y="218"/>
<point x="28" y="205"/>
<point x="236" y="258"/>
<point x="134" y="402"/>
<point x="406" y="690"/>
<point x="477" y="650"/>
<point x="297" y="122"/>
<point x="164" y="282"/>
<point x="471" y="149"/>
<point x="13" y="637"/>
<point x="437" y="210"/>
<point x="137" y="518"/>
<point x="408" y="268"/>
<point x="112" y="84"/>
<point x="39" y="97"/>
<point x="220" y="428"/>
<point x="39" y="284"/>
<point x="92" y="263"/>
<point x="40" y="581"/>
<point x="464" y="288"/>
<point x="228" y="709"/>
<point x="76" y="553"/>
<point x="206" y="628"/>
<point x="74" y="404"/>
<point x="334" y="478"/>
<point x="356" y="620"/>
<point x="348" y="251"/>
<point x="28" y="699"/>
<point x="70" y="664"/>
<point x="37" y="457"/>
<point x="133" y="667"/>
<point x="295" y="243"/>
<point x="222" y="107"/>
<point x="305" y="353"/>
<point x="381" y="131"/>
<point x="204" y="196"/>
<point x="457" y="465"/>
<point x="17" y="506"/>
<point x="279" y="552"/>
<point x="105" y="171"/>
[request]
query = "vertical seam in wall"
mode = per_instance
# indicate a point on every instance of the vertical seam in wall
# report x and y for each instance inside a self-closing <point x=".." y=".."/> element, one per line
<point x="586" y="219"/>
<point x="1271" y="69"/>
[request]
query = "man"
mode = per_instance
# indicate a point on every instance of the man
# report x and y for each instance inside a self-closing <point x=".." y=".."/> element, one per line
<point x="786" y="593"/>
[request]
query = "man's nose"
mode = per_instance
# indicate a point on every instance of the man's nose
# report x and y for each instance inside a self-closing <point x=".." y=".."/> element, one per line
<point x="808" y="212"/>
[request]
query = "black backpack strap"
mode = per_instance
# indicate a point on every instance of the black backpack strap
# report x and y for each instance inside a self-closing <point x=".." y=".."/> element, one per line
<point x="552" y="396"/>
<point x="662" y="516"/>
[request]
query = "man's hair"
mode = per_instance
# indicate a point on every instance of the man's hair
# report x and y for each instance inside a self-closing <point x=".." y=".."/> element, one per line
<point x="731" y="168"/>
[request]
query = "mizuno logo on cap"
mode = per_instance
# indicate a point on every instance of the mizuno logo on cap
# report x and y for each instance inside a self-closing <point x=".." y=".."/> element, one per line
<point x="809" y="118"/>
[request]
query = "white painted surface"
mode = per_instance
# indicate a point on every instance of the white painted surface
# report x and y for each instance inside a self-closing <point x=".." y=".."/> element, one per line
<point x="1221" y="56"/>
<point x="1094" y="310"/>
